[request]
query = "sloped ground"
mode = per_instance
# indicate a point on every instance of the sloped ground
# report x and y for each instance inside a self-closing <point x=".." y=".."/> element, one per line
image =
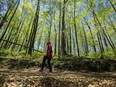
<point x="25" y="73"/>
<point x="31" y="77"/>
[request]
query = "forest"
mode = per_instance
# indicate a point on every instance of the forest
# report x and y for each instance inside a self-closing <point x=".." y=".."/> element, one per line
<point x="82" y="35"/>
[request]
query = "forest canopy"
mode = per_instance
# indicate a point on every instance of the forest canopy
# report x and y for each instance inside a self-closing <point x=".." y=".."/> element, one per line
<point x="74" y="27"/>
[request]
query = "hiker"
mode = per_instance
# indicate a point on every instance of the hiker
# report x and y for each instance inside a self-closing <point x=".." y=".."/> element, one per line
<point x="48" y="57"/>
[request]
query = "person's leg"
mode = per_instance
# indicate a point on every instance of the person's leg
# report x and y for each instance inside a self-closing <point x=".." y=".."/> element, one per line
<point x="44" y="59"/>
<point x="49" y="64"/>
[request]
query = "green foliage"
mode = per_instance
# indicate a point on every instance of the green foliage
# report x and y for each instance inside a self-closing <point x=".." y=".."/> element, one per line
<point x="8" y="52"/>
<point x="36" y="56"/>
<point x="106" y="55"/>
<point x="95" y="55"/>
<point x="49" y="16"/>
<point x="70" y="62"/>
<point x="85" y="63"/>
<point x="109" y="55"/>
<point x="114" y="51"/>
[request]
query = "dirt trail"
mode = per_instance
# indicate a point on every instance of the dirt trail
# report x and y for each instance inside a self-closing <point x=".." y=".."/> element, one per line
<point x="31" y="77"/>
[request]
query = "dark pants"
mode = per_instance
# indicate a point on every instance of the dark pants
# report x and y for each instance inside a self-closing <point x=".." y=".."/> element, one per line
<point x="49" y="64"/>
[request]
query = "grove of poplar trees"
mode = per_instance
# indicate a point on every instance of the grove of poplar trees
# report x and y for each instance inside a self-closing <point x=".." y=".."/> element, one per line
<point x="74" y="27"/>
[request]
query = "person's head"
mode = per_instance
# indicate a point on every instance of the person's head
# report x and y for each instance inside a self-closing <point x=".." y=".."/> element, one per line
<point x="48" y="42"/>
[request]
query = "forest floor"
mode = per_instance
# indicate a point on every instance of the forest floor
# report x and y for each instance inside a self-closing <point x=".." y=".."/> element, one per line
<point x="25" y="73"/>
<point x="31" y="77"/>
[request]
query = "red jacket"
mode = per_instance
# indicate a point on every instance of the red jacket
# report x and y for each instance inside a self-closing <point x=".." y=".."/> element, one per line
<point x="49" y="50"/>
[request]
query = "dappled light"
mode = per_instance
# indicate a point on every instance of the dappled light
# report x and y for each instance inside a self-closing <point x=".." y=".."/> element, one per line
<point x="57" y="43"/>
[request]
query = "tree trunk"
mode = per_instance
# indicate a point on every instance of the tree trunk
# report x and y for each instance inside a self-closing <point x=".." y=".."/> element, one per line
<point x="94" y="47"/>
<point x="63" y="42"/>
<point x="34" y="29"/>
<point x="108" y="39"/>
<point x="39" y="41"/>
<point x="9" y="22"/>
<point x="10" y="34"/>
<point x="112" y="24"/>
<point x="100" y="42"/>
<point x="55" y="43"/>
<point x="76" y="36"/>
<point x="59" y="33"/>
<point x="70" y="41"/>
<point x="74" y="46"/>
<point x="6" y="15"/>
<point x="86" y="42"/>
<point x="112" y="5"/>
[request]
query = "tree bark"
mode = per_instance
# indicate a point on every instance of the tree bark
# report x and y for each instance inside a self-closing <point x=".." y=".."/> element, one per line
<point x="34" y="29"/>
<point x="63" y="42"/>
<point x="55" y="43"/>
<point x="76" y="36"/>
<point x="9" y="22"/>
<point x="112" y="5"/>
<point x="86" y="42"/>
<point x="108" y="39"/>
<point x="59" y="33"/>
<point x="94" y="47"/>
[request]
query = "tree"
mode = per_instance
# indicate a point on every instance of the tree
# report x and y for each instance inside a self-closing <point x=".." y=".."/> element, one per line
<point x="63" y="42"/>
<point x="34" y="29"/>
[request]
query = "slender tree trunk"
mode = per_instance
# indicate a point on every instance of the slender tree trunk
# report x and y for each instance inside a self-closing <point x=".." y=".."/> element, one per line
<point x="112" y="5"/>
<point x="76" y="36"/>
<point x="18" y="30"/>
<point x="100" y="42"/>
<point x="70" y="41"/>
<point x="86" y="42"/>
<point x="6" y="16"/>
<point x="59" y="33"/>
<point x="112" y="24"/>
<point x="108" y="39"/>
<point x="74" y="46"/>
<point x="49" y="31"/>
<point x="105" y="42"/>
<point x="63" y="42"/>
<point x="5" y="37"/>
<point x="16" y="38"/>
<point x="44" y="45"/>
<point x="39" y="41"/>
<point x="34" y="29"/>
<point x="55" y="43"/>
<point x="99" y="36"/>
<point x="9" y="22"/>
<point x="10" y="34"/>
<point x="94" y="47"/>
<point x="68" y="50"/>
<point x="27" y="36"/>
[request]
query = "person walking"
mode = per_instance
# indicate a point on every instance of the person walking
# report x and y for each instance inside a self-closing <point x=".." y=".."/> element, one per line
<point x="47" y="57"/>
